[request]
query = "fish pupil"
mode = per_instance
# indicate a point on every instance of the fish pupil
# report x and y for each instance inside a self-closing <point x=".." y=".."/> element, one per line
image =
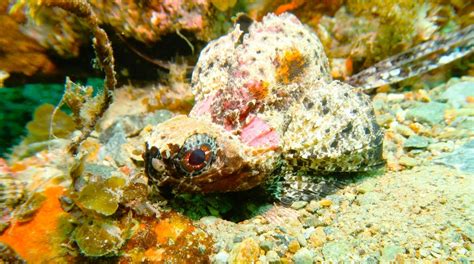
<point x="197" y="157"/>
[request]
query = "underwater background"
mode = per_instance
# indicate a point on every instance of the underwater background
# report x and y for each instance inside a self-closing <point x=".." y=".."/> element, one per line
<point x="84" y="83"/>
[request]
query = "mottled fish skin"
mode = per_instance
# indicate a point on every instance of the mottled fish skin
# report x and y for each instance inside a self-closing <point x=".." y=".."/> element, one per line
<point x="263" y="71"/>
<point x="268" y="97"/>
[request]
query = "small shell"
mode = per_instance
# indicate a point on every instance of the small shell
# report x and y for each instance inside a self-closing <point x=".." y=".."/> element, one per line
<point x="11" y="190"/>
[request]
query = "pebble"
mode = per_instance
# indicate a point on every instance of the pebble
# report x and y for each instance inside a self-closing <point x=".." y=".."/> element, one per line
<point x="416" y="142"/>
<point x="384" y="120"/>
<point x="365" y="187"/>
<point x="336" y="250"/>
<point x="247" y="251"/>
<point x="209" y="220"/>
<point x="418" y="128"/>
<point x="325" y="203"/>
<point x="452" y="115"/>
<point x="301" y="239"/>
<point x="308" y="231"/>
<point x="371" y="260"/>
<point x="272" y="257"/>
<point x="303" y="256"/>
<point x="313" y="220"/>
<point x="298" y="204"/>
<point x="266" y="245"/>
<point x="462" y="158"/>
<point x="293" y="246"/>
<point x="157" y="117"/>
<point x="395" y="97"/>
<point x="390" y="252"/>
<point x="422" y="95"/>
<point x="369" y="198"/>
<point x="431" y="113"/>
<point x="318" y="237"/>
<point x="221" y="257"/>
<point x="404" y="130"/>
<point x="442" y="146"/>
<point x="408" y="161"/>
<point x="465" y="122"/>
<point x="452" y="133"/>
<point x="313" y="206"/>
<point x="424" y="252"/>
<point x="468" y="232"/>
<point x="456" y="94"/>
<point x="238" y="238"/>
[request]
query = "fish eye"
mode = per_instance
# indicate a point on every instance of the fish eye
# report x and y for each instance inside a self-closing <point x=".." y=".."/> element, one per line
<point x="197" y="154"/>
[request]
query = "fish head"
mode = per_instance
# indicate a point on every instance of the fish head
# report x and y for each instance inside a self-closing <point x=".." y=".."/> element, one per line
<point x="195" y="155"/>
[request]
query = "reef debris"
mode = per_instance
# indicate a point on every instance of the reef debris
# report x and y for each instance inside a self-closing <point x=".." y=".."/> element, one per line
<point x="53" y="28"/>
<point x="149" y="21"/>
<point x="20" y="53"/>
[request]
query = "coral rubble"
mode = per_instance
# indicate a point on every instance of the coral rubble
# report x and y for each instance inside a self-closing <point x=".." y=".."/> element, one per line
<point x="149" y="21"/>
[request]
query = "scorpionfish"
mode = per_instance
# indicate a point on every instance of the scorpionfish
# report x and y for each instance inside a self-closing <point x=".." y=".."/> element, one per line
<point x="266" y="108"/>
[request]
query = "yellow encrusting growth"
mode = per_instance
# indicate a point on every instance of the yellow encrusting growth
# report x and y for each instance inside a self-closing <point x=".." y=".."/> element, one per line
<point x="290" y="66"/>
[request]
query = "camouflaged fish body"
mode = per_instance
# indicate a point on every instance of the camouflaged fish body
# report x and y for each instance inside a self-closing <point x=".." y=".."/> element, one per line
<point x="264" y="97"/>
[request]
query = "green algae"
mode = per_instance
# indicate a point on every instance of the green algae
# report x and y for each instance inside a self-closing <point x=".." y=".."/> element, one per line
<point x="39" y="128"/>
<point x="102" y="197"/>
<point x="100" y="188"/>
<point x="98" y="238"/>
<point x="136" y="191"/>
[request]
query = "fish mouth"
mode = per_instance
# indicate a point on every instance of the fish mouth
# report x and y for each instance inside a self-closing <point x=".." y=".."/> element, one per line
<point x="166" y="175"/>
<point x="216" y="181"/>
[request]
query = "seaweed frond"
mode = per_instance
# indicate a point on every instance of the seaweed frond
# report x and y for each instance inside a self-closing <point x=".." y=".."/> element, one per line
<point x="104" y="53"/>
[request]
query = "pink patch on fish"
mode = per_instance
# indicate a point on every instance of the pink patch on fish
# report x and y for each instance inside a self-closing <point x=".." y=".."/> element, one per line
<point x="257" y="133"/>
<point x="202" y="107"/>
